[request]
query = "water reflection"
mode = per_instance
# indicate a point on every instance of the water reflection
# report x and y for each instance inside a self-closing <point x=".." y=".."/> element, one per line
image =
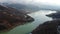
<point x="54" y="15"/>
<point x="39" y="17"/>
<point x="49" y="27"/>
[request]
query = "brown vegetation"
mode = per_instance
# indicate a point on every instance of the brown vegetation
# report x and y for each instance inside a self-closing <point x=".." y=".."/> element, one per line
<point x="10" y="17"/>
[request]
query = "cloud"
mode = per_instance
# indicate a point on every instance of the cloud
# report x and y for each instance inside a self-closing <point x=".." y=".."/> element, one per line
<point x="48" y="2"/>
<point x="17" y="1"/>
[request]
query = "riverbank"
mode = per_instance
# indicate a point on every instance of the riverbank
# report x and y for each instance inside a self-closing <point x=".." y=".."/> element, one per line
<point x="49" y="27"/>
<point x="10" y="18"/>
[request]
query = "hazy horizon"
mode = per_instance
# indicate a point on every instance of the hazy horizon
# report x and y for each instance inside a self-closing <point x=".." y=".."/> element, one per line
<point x="45" y="4"/>
<point x="34" y="2"/>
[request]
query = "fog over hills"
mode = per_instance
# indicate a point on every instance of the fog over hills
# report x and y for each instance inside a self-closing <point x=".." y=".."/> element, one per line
<point x="29" y="5"/>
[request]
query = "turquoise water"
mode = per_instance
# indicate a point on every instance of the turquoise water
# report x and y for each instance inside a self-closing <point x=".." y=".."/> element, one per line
<point x="39" y="17"/>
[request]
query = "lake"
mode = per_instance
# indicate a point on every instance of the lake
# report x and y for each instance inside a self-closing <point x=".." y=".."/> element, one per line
<point x="39" y="17"/>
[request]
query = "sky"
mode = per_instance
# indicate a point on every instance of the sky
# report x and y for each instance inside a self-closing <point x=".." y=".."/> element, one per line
<point x="47" y="2"/>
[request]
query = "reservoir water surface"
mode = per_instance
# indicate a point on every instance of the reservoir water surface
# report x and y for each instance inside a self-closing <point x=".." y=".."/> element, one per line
<point x="39" y="16"/>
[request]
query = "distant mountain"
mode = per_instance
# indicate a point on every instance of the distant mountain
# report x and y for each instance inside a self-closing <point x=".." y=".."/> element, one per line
<point x="31" y="7"/>
<point x="23" y="7"/>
